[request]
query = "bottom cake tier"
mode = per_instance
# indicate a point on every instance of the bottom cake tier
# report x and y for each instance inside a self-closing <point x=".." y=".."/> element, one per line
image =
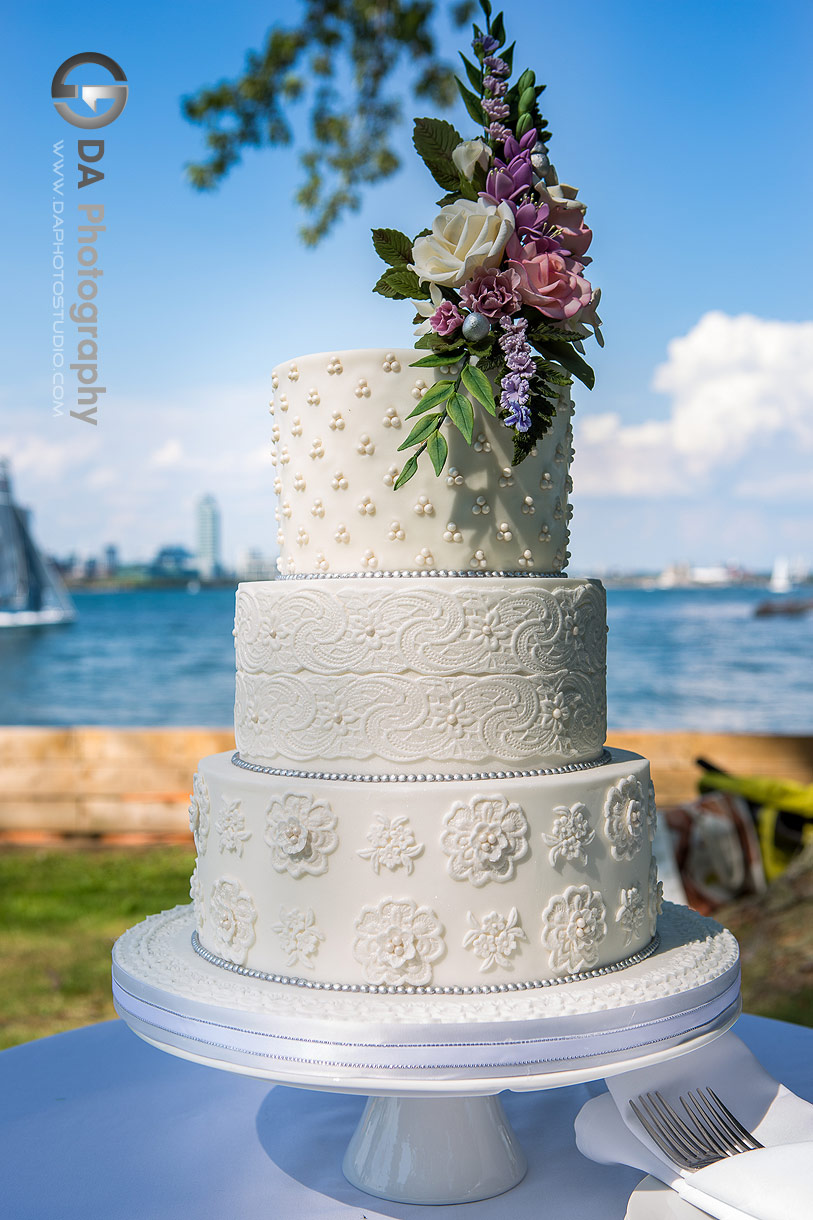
<point x="470" y="883"/>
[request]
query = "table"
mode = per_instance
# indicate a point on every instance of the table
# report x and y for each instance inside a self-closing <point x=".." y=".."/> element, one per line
<point x="97" y="1125"/>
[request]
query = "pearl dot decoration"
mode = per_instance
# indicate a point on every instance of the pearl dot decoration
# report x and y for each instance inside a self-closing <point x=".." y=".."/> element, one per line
<point x="331" y="440"/>
<point x="526" y="559"/>
<point x="396" y="533"/>
<point x="368" y="559"/>
<point x="293" y="373"/>
<point x="504" y="533"/>
<point x="367" y="507"/>
<point x="478" y="560"/>
<point x="317" y="509"/>
<point x="425" y="558"/>
<point x="342" y="534"/>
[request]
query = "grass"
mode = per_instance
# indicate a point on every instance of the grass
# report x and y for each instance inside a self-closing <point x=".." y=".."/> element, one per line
<point x="60" y="912"/>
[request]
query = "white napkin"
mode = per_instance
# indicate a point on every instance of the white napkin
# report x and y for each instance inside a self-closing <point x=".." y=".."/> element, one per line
<point x="774" y="1183"/>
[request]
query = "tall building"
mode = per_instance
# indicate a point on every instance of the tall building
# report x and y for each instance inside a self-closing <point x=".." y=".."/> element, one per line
<point x="208" y="541"/>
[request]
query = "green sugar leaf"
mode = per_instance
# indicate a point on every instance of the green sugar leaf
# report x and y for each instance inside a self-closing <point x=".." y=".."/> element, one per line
<point x="472" y="104"/>
<point x="398" y="283"/>
<point x="395" y="248"/>
<point x="563" y="353"/>
<point x="435" y="140"/>
<point x="461" y="413"/>
<point x="479" y="387"/>
<point x="436" y="394"/>
<point x="437" y="449"/>
<point x="410" y="467"/>
<point x="424" y="428"/>
<point x="436" y="359"/>
<point x="475" y="75"/>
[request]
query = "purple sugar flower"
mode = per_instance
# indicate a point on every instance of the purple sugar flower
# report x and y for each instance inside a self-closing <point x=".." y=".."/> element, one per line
<point x="492" y="293"/>
<point x="447" y="317"/>
<point x="485" y="43"/>
<point x="499" y="132"/>
<point x="519" y="415"/>
<point x="516" y="387"/>
<point x="497" y="66"/>
<point x="494" y="108"/>
<point x="513" y="146"/>
<point x="495" y="85"/>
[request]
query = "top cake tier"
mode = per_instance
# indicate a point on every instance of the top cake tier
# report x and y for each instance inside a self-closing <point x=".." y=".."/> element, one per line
<point x="338" y="421"/>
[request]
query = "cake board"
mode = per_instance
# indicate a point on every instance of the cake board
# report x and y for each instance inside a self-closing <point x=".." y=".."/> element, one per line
<point x="433" y="1065"/>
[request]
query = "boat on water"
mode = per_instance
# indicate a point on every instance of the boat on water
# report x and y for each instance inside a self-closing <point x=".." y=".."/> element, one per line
<point x="781" y="581"/>
<point x="32" y="593"/>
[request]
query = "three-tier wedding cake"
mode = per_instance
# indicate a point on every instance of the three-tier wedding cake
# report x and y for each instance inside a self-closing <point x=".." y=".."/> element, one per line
<point x="421" y="798"/>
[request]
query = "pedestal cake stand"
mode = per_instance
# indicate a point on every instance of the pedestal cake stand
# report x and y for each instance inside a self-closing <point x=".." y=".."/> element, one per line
<point x="434" y="1130"/>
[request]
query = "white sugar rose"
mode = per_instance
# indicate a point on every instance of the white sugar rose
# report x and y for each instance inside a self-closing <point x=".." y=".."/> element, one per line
<point x="469" y="154"/>
<point x="465" y="236"/>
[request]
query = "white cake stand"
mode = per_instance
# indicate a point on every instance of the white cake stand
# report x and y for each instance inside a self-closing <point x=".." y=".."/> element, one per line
<point x="434" y="1130"/>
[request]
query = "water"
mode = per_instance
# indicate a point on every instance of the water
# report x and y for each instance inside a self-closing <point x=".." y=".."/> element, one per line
<point x="678" y="659"/>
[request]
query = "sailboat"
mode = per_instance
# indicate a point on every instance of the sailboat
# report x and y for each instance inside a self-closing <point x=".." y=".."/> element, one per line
<point x="32" y="593"/>
<point x="780" y="581"/>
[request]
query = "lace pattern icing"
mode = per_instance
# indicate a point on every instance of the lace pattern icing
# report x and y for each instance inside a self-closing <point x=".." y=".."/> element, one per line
<point x="400" y="719"/>
<point x="421" y="631"/>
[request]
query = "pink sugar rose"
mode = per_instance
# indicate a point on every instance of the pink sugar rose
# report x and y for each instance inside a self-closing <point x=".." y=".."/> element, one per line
<point x="446" y="318"/>
<point x="550" y="280"/>
<point x="492" y="293"/>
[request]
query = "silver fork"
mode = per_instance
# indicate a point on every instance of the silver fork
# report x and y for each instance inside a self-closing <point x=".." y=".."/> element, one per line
<point x="711" y="1133"/>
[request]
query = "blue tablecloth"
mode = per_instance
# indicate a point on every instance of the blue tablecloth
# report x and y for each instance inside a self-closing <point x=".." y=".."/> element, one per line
<point x="97" y="1125"/>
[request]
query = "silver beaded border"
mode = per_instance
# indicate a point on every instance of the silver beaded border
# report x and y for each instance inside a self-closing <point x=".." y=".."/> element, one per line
<point x="422" y="778"/>
<point x="436" y="572"/>
<point x="384" y="989"/>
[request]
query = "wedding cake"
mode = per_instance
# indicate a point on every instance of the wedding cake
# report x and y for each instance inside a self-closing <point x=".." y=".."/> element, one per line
<point x="421" y="799"/>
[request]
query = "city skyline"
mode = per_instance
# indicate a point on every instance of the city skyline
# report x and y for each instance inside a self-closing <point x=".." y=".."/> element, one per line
<point x="696" y="443"/>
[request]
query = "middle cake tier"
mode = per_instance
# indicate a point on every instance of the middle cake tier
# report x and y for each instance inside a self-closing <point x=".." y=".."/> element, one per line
<point x="420" y="675"/>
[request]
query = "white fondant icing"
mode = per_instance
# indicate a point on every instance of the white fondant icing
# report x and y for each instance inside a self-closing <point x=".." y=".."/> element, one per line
<point x="350" y="408"/>
<point x="483" y="848"/>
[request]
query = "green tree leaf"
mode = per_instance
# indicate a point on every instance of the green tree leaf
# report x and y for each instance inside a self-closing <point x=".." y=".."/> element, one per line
<point x="461" y="413"/>
<point x="410" y="467"/>
<point x="424" y="428"/>
<point x="498" y="29"/>
<point x="479" y="387"/>
<point x="437" y="449"/>
<point x="398" y="283"/>
<point x="394" y="247"/>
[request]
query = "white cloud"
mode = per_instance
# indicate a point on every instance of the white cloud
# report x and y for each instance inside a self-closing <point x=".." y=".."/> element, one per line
<point x="737" y="385"/>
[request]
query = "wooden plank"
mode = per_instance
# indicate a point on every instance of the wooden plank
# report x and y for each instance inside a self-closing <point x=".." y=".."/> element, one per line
<point x="96" y="780"/>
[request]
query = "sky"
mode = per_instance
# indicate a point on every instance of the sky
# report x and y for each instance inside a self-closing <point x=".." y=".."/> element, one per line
<point x="685" y="126"/>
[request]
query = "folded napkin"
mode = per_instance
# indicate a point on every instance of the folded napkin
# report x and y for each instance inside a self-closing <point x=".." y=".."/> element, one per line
<point x="773" y="1183"/>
